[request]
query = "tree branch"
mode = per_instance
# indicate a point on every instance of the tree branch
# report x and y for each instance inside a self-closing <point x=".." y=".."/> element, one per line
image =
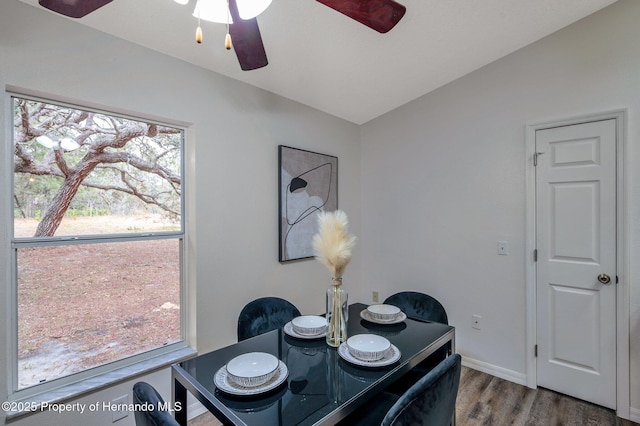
<point x="101" y="139"/>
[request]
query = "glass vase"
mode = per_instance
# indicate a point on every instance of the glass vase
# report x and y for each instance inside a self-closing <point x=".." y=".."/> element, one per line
<point x="337" y="313"/>
<point x="335" y="377"/>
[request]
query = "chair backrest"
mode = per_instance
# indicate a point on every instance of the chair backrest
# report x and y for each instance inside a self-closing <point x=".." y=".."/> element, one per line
<point x="419" y="306"/>
<point x="432" y="400"/>
<point x="264" y="314"/>
<point x="153" y="409"/>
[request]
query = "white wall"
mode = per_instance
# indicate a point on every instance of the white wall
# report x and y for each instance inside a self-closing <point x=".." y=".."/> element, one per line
<point x="429" y="191"/>
<point x="443" y="179"/>
<point x="232" y="159"/>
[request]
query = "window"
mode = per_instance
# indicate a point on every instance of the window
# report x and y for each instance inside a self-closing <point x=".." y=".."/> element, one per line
<point x="97" y="241"/>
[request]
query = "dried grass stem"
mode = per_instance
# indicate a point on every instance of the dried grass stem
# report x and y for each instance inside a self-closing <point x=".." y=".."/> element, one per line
<point x="333" y="244"/>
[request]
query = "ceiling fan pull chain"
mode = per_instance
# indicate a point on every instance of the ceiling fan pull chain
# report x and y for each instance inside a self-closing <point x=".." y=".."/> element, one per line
<point x="199" y="31"/>
<point x="227" y="38"/>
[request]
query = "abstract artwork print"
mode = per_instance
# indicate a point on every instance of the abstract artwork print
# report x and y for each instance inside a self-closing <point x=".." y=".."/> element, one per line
<point x="308" y="183"/>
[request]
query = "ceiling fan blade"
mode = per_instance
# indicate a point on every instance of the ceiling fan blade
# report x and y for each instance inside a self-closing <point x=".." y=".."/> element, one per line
<point x="73" y="8"/>
<point x="380" y="15"/>
<point x="246" y="40"/>
<point x="247" y="43"/>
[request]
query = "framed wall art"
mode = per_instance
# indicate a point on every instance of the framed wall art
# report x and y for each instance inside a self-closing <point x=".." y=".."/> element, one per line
<point x="308" y="183"/>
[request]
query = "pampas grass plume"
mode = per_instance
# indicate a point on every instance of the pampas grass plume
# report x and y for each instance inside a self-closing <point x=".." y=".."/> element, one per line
<point x="333" y="244"/>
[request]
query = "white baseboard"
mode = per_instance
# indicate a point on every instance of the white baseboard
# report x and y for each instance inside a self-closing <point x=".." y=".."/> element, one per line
<point x="634" y="414"/>
<point x="503" y="373"/>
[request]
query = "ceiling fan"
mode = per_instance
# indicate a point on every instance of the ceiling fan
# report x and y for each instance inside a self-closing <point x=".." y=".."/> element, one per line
<point x="379" y="15"/>
<point x="73" y="8"/>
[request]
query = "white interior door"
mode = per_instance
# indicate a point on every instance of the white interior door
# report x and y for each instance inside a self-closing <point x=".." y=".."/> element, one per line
<point x="576" y="243"/>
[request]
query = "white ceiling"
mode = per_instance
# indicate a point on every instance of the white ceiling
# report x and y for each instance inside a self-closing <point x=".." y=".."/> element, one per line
<point x="323" y="59"/>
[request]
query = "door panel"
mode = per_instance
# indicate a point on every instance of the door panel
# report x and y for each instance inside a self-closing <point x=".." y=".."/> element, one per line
<point x="570" y="241"/>
<point x="576" y="241"/>
<point x="568" y="348"/>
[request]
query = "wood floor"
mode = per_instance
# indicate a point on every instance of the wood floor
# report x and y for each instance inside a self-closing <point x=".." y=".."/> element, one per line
<point x="487" y="400"/>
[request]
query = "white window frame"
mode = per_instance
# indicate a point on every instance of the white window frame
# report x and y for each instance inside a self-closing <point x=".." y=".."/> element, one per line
<point x="74" y="385"/>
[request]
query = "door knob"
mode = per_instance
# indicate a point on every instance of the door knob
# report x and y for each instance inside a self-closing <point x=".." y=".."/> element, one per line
<point x="604" y="279"/>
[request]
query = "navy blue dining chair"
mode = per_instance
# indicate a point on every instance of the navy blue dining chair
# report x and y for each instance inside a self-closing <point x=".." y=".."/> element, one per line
<point x="153" y="414"/>
<point x="430" y="401"/>
<point x="264" y="314"/>
<point x="421" y="307"/>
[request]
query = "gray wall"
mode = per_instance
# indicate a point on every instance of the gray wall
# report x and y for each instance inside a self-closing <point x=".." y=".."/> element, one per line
<point x="429" y="188"/>
<point x="232" y="162"/>
<point x="443" y="179"/>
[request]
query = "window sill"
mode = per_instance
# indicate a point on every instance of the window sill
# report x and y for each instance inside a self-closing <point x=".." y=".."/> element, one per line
<point x="33" y="403"/>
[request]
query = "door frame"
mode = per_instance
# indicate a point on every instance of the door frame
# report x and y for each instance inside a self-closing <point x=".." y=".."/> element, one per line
<point x="623" y="315"/>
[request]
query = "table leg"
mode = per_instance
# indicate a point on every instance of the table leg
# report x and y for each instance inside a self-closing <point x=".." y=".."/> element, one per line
<point x="180" y="400"/>
<point x="453" y="350"/>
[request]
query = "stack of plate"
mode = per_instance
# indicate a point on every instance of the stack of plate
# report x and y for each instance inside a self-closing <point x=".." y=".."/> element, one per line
<point x="309" y="325"/>
<point x="368" y="347"/>
<point x="251" y="373"/>
<point x="252" y="369"/>
<point x="383" y="314"/>
<point x="306" y="327"/>
<point x="369" y="350"/>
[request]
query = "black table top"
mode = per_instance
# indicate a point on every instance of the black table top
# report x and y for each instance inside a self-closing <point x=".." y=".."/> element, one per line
<point x="321" y="388"/>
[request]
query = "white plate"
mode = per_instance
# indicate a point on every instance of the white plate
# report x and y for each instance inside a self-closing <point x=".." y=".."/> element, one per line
<point x="392" y="356"/>
<point x="222" y="381"/>
<point x="252" y="369"/>
<point x="366" y="316"/>
<point x="288" y="329"/>
<point x="311" y="325"/>
<point x="368" y="347"/>
<point x="384" y="312"/>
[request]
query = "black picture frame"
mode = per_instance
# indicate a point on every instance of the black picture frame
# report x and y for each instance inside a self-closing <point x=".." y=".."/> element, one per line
<point x="308" y="183"/>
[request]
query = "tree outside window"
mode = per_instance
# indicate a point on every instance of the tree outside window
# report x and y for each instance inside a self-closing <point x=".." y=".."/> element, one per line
<point x="98" y="234"/>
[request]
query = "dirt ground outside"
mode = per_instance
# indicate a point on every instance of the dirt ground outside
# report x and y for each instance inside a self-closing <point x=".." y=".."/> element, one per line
<point x="85" y="305"/>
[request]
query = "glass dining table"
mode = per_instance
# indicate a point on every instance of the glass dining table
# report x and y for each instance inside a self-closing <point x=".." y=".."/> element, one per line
<point x="320" y="385"/>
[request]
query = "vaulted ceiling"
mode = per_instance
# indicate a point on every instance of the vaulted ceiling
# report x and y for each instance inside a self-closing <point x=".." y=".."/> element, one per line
<point x="323" y="59"/>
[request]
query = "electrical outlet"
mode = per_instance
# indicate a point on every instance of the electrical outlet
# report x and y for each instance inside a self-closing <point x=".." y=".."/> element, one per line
<point x="475" y="322"/>
<point x="503" y="248"/>
<point x="375" y="296"/>
<point x="119" y="408"/>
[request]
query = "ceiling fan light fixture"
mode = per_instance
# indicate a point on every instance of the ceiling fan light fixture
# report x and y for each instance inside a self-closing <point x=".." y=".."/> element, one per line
<point x="182" y="2"/>
<point x="218" y="10"/>
<point x="248" y="9"/>
<point x="212" y="10"/>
